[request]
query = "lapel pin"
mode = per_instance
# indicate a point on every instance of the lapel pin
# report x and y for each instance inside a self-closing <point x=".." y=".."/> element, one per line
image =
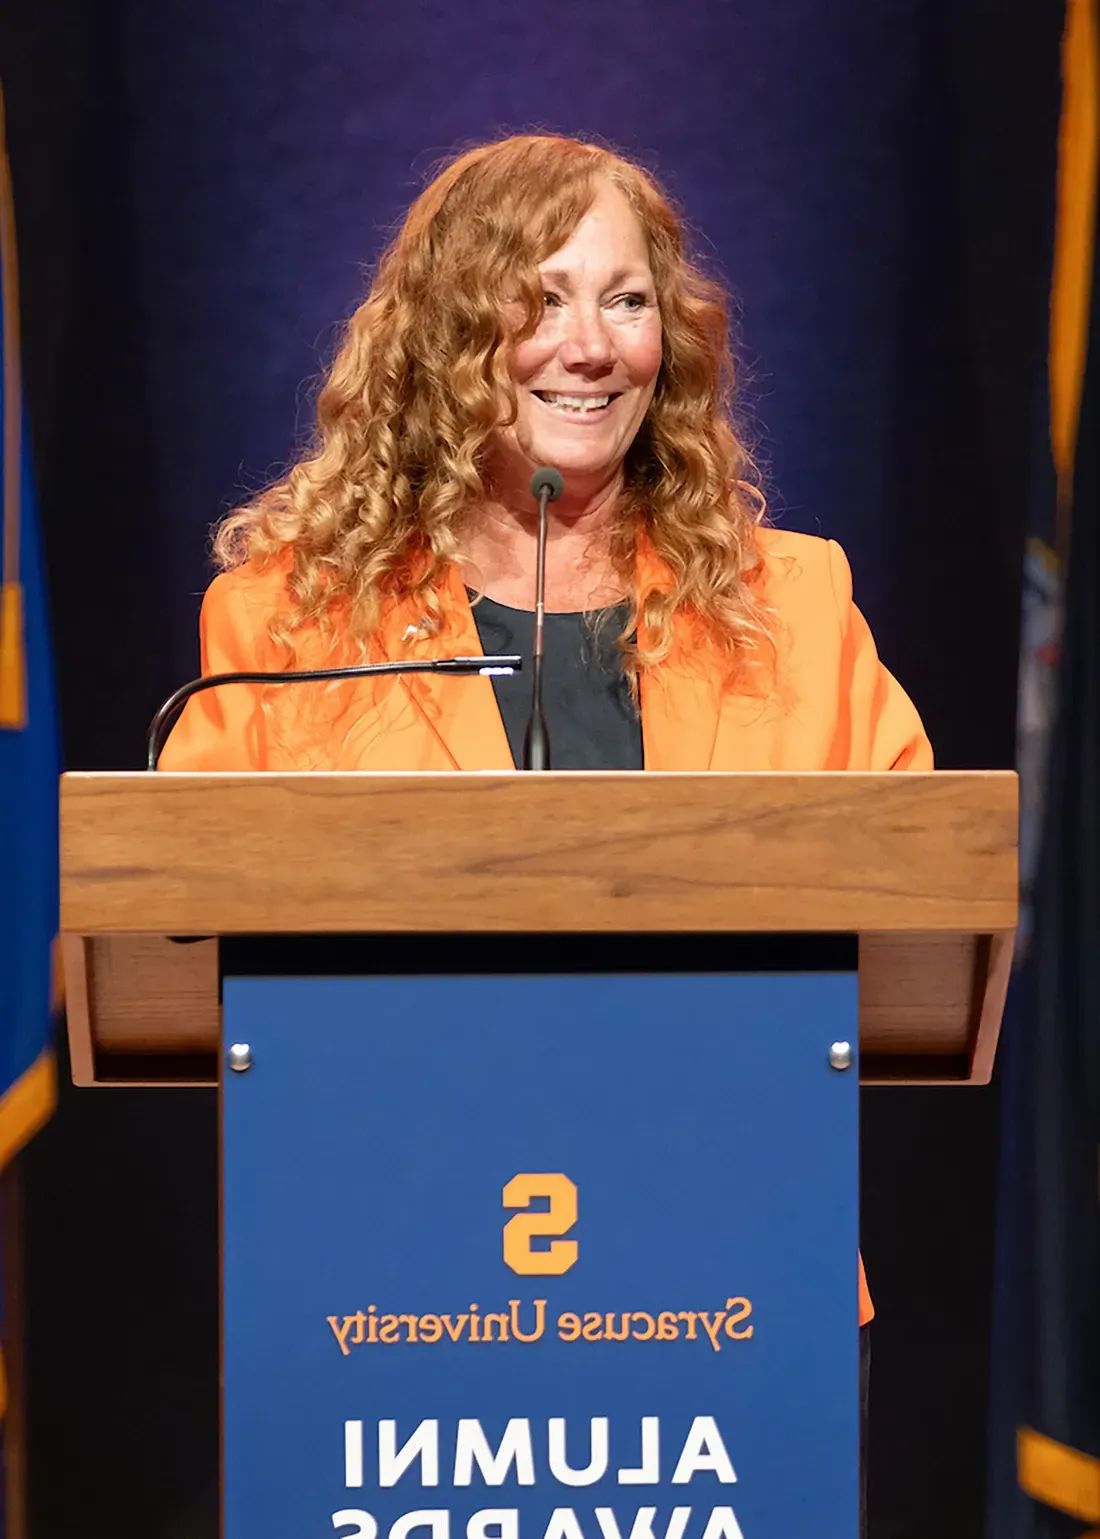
<point x="424" y="627"/>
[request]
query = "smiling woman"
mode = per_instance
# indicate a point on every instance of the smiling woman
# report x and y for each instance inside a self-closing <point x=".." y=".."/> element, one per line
<point x="530" y="280"/>
<point x="537" y="307"/>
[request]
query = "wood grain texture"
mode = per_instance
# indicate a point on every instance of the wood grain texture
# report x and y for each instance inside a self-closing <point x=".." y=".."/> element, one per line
<point x="922" y="867"/>
<point x="232" y="854"/>
<point x="154" y="998"/>
<point x="139" y="996"/>
<point x="76" y="968"/>
<point x="991" y="991"/>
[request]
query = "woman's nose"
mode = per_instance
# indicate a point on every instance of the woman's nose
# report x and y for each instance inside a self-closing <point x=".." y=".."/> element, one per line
<point x="588" y="341"/>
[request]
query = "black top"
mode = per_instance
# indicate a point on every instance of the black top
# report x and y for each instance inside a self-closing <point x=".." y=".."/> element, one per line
<point x="591" y="720"/>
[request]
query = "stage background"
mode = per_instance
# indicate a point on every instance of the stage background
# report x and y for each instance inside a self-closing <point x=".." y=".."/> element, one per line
<point x="201" y="188"/>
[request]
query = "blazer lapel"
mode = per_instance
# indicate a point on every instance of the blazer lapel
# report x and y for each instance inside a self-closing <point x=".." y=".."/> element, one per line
<point x="460" y="711"/>
<point x="682" y="697"/>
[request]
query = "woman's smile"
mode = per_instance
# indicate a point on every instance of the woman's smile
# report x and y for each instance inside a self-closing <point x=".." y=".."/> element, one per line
<point x="578" y="407"/>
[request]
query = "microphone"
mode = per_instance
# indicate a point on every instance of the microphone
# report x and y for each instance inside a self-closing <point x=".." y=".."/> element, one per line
<point x="171" y="707"/>
<point x="547" y="485"/>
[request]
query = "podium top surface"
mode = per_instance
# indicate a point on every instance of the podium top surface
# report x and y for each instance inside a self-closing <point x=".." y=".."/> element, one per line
<point x="330" y="853"/>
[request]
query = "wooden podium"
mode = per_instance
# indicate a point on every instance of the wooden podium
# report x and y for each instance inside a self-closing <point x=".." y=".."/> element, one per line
<point x="539" y="1165"/>
<point x="921" y="867"/>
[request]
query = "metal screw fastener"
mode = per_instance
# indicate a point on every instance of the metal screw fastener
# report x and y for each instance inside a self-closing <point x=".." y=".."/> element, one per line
<point x="840" y="1055"/>
<point x="240" y="1057"/>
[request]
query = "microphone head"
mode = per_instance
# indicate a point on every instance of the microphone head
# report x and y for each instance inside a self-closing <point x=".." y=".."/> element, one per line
<point x="547" y="480"/>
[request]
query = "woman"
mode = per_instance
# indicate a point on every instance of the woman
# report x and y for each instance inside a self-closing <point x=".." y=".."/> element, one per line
<point x="537" y="308"/>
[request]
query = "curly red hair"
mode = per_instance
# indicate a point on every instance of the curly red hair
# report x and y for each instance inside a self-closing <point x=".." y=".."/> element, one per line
<point x="421" y="382"/>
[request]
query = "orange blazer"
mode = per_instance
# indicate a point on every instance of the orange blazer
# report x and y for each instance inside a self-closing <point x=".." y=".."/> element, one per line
<point x="834" y="706"/>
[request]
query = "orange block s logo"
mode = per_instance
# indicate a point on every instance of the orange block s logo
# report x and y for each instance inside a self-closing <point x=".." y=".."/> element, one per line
<point x="519" y="1231"/>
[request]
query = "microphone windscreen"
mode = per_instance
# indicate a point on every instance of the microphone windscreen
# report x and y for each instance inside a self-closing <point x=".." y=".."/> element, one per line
<point x="549" y="480"/>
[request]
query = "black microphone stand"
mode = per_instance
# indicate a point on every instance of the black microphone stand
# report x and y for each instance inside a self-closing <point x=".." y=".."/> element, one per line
<point x="547" y="485"/>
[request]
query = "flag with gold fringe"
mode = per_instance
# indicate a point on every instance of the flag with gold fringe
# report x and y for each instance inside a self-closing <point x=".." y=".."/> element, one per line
<point x="1045" y="1388"/>
<point x="29" y="756"/>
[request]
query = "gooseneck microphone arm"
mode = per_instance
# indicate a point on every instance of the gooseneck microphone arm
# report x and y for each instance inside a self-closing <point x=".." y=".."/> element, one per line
<point x="547" y="485"/>
<point x="166" y="715"/>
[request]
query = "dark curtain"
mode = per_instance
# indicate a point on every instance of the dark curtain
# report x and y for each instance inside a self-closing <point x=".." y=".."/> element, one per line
<point x="201" y="187"/>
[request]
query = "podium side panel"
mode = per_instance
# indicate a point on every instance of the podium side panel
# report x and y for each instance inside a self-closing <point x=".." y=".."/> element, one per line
<point x="589" y="1242"/>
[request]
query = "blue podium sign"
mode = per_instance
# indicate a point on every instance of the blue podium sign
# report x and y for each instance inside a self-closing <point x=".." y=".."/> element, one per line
<point x="531" y="1257"/>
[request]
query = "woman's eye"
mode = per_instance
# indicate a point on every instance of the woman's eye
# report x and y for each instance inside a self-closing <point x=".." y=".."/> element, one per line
<point x="550" y="300"/>
<point x="632" y="301"/>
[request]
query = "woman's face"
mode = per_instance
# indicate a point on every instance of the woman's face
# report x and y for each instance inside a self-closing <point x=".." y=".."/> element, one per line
<point x="584" y="381"/>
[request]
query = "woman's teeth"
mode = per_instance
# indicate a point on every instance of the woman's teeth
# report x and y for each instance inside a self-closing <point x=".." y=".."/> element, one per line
<point x="574" y="402"/>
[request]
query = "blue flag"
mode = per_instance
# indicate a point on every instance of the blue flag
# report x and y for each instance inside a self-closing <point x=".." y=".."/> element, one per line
<point x="29" y="760"/>
<point x="29" y="756"/>
<point x="29" y="765"/>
